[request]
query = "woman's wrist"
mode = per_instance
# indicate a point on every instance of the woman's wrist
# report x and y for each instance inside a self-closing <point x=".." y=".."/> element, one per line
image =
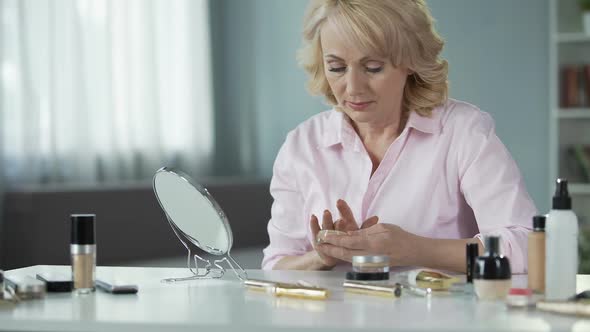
<point x="444" y="254"/>
<point x="311" y="260"/>
<point x="318" y="262"/>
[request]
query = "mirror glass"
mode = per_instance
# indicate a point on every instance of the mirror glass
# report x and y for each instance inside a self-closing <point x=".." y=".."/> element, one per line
<point x="196" y="219"/>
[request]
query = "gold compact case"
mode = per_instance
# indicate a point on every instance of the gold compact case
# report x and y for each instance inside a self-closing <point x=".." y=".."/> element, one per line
<point x="359" y="287"/>
<point x="431" y="279"/>
<point x="287" y="289"/>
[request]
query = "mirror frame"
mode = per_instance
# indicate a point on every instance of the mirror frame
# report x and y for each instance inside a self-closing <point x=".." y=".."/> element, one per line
<point x="209" y="272"/>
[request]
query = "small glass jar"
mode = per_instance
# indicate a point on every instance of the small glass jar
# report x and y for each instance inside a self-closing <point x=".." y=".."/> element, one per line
<point x="370" y="264"/>
<point x="369" y="268"/>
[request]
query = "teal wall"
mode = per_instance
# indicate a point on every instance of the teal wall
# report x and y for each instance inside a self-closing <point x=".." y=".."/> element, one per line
<point x="498" y="55"/>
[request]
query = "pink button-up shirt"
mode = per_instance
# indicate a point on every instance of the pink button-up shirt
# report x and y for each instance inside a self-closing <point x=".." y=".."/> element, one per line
<point x="446" y="176"/>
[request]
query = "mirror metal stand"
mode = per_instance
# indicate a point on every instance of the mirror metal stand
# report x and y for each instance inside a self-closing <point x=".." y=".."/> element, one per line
<point x="209" y="273"/>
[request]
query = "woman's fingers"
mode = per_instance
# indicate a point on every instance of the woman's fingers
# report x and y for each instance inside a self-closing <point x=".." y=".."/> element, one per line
<point x="342" y="253"/>
<point x="314" y="225"/>
<point x="370" y="222"/>
<point x="327" y="222"/>
<point x="356" y="241"/>
<point x="345" y="212"/>
<point x="345" y="225"/>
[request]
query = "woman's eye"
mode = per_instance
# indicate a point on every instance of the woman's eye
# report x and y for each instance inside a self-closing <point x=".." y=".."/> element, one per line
<point x="374" y="69"/>
<point x="337" y="69"/>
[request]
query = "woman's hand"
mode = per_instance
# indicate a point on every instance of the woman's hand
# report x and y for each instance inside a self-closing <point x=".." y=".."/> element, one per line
<point x="346" y="223"/>
<point x="380" y="239"/>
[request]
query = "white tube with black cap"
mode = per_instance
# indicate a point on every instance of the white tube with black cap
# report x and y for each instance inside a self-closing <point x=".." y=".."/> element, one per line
<point x="561" y="236"/>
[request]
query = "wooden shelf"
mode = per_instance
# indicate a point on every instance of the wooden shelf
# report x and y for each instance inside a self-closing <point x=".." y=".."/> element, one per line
<point x="573" y="113"/>
<point x="579" y="188"/>
<point x="572" y="37"/>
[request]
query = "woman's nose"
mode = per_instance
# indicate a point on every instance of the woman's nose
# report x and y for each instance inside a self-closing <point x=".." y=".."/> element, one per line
<point x="355" y="83"/>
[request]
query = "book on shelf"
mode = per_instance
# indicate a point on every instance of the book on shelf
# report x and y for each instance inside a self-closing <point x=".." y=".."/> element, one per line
<point x="581" y="159"/>
<point x="574" y="86"/>
<point x="586" y="80"/>
<point x="569" y="86"/>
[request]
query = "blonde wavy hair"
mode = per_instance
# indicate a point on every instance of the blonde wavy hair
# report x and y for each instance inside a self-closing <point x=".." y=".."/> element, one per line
<point x="401" y="30"/>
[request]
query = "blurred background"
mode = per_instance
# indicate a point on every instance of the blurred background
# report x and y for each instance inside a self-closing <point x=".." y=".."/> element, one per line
<point x="96" y="95"/>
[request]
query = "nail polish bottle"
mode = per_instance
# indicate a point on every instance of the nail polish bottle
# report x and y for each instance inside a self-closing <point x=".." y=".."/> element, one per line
<point x="492" y="275"/>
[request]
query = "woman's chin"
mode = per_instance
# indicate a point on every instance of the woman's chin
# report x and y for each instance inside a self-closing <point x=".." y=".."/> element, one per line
<point x="360" y="116"/>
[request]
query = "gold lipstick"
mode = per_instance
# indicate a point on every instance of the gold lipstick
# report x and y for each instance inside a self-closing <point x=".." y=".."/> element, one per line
<point x="287" y="289"/>
<point x="394" y="290"/>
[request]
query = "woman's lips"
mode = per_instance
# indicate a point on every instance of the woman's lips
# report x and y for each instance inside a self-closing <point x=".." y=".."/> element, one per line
<point x="358" y="106"/>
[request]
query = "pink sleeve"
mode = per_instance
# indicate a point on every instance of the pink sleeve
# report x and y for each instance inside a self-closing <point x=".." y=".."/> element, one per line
<point x="493" y="186"/>
<point x="287" y="228"/>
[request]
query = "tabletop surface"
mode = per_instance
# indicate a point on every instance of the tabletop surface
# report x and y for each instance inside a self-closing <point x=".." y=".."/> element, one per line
<point x="224" y="304"/>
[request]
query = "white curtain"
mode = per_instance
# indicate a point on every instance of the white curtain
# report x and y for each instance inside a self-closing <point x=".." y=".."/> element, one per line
<point x="104" y="90"/>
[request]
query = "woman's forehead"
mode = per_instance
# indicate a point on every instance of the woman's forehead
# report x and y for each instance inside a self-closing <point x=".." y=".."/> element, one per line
<point x="337" y="44"/>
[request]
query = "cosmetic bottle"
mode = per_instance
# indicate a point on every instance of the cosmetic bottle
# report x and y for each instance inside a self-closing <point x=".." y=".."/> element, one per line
<point x="536" y="255"/>
<point x="471" y="253"/>
<point x="561" y="245"/>
<point x="369" y="268"/>
<point x="492" y="275"/>
<point x="83" y="251"/>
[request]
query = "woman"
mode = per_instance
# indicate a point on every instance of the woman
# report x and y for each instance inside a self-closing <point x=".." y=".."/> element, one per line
<point x="412" y="174"/>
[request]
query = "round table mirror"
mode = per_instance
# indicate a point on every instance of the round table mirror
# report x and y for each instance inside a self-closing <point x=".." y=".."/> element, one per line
<point x="197" y="220"/>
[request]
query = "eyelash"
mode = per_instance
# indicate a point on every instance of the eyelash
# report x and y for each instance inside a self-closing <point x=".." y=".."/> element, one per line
<point x="342" y="69"/>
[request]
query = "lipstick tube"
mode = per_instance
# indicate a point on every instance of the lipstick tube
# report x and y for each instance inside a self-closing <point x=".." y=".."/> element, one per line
<point x="394" y="290"/>
<point x="287" y="290"/>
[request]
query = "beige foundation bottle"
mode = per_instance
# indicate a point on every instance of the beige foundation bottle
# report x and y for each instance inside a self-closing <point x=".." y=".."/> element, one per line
<point x="83" y="251"/>
<point x="536" y="260"/>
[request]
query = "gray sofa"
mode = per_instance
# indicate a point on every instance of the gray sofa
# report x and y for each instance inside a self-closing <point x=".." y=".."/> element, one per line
<point x="130" y="224"/>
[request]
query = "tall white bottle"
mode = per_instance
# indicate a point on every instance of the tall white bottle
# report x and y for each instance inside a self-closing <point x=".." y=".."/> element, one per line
<point x="561" y="236"/>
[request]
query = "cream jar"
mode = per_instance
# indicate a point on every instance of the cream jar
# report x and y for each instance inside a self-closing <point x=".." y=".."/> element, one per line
<point x="492" y="275"/>
<point x="369" y="268"/>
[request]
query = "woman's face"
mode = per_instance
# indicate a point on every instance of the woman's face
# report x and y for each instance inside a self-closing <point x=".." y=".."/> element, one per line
<point x="368" y="88"/>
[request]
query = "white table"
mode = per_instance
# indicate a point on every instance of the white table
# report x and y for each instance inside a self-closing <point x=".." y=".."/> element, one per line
<point x="213" y="305"/>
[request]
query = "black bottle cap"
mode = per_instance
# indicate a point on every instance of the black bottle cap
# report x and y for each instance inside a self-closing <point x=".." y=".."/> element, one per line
<point x="561" y="199"/>
<point x="367" y="276"/>
<point x="492" y="244"/>
<point x="471" y="251"/>
<point x="539" y="223"/>
<point x="492" y="265"/>
<point x="83" y="228"/>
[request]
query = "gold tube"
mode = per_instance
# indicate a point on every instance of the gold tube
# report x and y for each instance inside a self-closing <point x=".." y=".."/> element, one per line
<point x="287" y="289"/>
<point x="370" y="289"/>
<point x="259" y="285"/>
<point x="301" y="292"/>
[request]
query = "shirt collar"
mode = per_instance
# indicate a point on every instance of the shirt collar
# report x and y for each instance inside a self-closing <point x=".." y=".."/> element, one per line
<point x="339" y="131"/>
<point x="426" y="124"/>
